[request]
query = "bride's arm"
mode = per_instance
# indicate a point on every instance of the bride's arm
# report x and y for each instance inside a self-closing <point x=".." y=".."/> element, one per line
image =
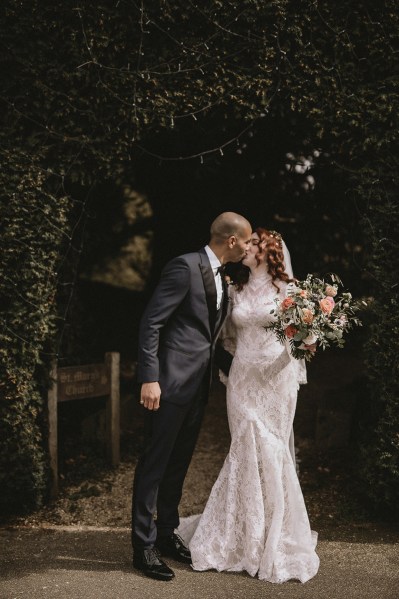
<point x="300" y="364"/>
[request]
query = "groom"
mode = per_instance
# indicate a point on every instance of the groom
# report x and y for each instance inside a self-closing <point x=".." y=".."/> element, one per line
<point x="178" y="333"/>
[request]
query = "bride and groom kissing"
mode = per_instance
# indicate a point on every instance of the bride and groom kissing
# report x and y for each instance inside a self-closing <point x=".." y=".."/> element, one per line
<point x="255" y="519"/>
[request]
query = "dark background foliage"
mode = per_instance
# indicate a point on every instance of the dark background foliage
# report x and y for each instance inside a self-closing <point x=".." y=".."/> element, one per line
<point x="282" y="110"/>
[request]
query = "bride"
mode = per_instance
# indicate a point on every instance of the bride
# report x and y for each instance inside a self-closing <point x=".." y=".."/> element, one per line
<point x="255" y="518"/>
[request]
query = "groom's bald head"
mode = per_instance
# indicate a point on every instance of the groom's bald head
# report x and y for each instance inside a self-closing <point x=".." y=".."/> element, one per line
<point x="230" y="237"/>
<point x="227" y="224"/>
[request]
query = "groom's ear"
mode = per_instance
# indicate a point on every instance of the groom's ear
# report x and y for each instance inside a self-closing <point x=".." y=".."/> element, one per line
<point x="232" y="240"/>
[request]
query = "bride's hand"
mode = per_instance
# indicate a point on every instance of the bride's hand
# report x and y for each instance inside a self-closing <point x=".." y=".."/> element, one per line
<point x="312" y="348"/>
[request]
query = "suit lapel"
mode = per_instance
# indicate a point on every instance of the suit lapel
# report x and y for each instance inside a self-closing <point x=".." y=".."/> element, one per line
<point x="208" y="279"/>
<point x="224" y="307"/>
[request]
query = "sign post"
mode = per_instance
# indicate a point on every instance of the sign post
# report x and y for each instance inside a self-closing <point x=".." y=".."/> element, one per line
<point x="81" y="382"/>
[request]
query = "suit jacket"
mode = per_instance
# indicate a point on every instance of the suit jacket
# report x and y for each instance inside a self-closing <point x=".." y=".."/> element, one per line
<point x="179" y="328"/>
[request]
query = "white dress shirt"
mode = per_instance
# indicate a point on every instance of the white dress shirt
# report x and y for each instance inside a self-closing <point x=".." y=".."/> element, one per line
<point x="215" y="264"/>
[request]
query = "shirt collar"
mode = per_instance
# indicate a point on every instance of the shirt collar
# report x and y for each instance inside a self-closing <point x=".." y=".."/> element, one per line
<point x="213" y="259"/>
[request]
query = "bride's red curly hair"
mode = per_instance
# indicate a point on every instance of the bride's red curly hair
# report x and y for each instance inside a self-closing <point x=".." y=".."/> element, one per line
<point x="271" y="251"/>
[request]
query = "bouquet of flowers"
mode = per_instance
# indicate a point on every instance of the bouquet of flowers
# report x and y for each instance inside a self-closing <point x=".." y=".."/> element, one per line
<point x="313" y="312"/>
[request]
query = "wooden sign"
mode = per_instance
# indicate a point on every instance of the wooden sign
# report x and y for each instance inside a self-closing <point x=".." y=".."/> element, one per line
<point x="80" y="382"/>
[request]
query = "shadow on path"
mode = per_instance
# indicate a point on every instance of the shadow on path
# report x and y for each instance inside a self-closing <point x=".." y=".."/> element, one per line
<point x="94" y="564"/>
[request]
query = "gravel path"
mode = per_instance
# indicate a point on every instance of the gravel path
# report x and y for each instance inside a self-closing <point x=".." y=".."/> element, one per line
<point x="95" y="495"/>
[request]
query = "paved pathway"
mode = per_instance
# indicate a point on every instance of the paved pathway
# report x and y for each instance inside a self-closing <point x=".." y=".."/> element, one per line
<point x="94" y="563"/>
<point x="71" y="562"/>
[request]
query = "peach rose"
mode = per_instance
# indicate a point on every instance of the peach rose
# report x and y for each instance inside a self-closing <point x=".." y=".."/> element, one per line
<point x="307" y="316"/>
<point x="290" y="331"/>
<point x="287" y="303"/>
<point x="303" y="293"/>
<point x="327" y="305"/>
<point x="331" y="291"/>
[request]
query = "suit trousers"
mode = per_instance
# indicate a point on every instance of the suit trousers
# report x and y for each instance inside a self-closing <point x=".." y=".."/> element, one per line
<point x="170" y="437"/>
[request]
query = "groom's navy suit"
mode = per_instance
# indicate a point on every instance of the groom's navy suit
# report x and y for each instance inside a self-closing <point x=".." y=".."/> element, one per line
<point x="177" y="341"/>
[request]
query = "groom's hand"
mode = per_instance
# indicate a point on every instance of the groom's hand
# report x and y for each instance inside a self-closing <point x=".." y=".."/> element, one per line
<point x="150" y="395"/>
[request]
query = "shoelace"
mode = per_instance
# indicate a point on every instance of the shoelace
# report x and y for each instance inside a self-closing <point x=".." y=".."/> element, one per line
<point x="152" y="556"/>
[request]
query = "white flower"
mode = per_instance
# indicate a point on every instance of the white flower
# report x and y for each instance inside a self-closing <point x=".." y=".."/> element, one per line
<point x="310" y="339"/>
<point x="287" y="321"/>
<point x="340" y="322"/>
<point x="291" y="288"/>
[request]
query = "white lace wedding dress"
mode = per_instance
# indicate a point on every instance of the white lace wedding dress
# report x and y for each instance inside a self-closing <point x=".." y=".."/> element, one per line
<point x="255" y="518"/>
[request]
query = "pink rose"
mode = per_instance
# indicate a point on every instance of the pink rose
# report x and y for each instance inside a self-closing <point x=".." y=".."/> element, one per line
<point x="327" y="305"/>
<point x="331" y="291"/>
<point x="290" y="331"/>
<point x="307" y="316"/>
<point x="303" y="293"/>
<point x="330" y="299"/>
<point x="287" y="303"/>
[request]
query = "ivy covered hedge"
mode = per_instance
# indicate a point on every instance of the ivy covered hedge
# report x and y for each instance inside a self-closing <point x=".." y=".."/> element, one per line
<point x="87" y="88"/>
<point x="378" y="458"/>
<point x="34" y="224"/>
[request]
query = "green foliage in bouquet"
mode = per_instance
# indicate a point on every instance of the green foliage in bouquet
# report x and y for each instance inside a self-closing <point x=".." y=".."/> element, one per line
<point x="313" y="313"/>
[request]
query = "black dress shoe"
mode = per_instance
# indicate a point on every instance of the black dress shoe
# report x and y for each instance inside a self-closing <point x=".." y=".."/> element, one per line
<point x="147" y="560"/>
<point x="174" y="547"/>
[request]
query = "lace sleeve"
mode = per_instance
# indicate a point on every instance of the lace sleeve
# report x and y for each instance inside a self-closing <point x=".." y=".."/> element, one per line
<point x="300" y="367"/>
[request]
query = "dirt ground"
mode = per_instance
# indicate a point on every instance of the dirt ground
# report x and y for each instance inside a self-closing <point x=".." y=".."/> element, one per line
<point x="93" y="494"/>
